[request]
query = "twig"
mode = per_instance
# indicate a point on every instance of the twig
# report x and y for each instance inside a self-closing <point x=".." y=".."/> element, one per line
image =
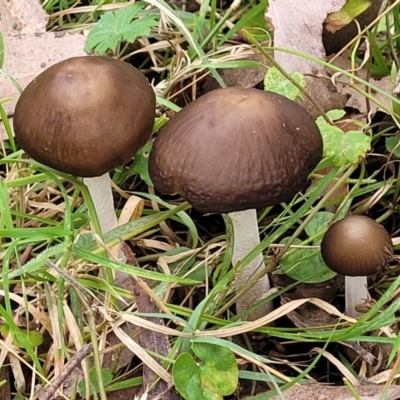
<point x="75" y="360"/>
<point x="81" y="289"/>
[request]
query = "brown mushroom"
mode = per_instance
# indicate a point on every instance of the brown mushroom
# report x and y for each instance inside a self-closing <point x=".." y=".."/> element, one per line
<point x="356" y="247"/>
<point x="86" y="116"/>
<point x="234" y="150"/>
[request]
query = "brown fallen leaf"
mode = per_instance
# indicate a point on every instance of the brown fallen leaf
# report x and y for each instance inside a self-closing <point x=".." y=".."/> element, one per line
<point x="126" y="393"/>
<point x="149" y="339"/>
<point x="324" y="93"/>
<point x="337" y="33"/>
<point x="360" y="351"/>
<point x="339" y="19"/>
<point x="357" y="100"/>
<point x="309" y="315"/>
<point x="238" y="77"/>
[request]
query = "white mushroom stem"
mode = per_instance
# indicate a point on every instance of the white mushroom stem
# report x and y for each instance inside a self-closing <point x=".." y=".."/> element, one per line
<point x="355" y="293"/>
<point x="101" y="194"/>
<point x="100" y="191"/>
<point x="246" y="238"/>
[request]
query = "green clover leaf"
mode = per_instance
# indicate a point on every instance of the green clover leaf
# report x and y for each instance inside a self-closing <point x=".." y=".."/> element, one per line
<point x="215" y="376"/>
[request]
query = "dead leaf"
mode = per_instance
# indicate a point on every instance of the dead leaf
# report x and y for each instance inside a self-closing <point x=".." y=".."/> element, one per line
<point x="361" y="352"/>
<point x="339" y="19"/>
<point x="298" y="26"/>
<point x="357" y="100"/>
<point x="238" y="77"/>
<point x="155" y="341"/>
<point x="325" y="94"/>
<point x="5" y="376"/>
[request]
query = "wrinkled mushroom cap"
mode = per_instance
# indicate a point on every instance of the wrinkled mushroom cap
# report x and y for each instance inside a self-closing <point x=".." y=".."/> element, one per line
<point x="85" y="115"/>
<point x="235" y="149"/>
<point x="356" y="246"/>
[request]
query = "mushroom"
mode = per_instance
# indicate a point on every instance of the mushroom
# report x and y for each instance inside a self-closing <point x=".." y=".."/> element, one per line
<point x="356" y="247"/>
<point x="234" y="150"/>
<point x="86" y="116"/>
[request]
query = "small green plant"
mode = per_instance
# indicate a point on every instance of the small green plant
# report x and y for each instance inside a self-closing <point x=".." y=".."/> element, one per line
<point x="22" y="337"/>
<point x="343" y="148"/>
<point x="306" y="264"/>
<point x="274" y="81"/>
<point x="213" y="375"/>
<point x="115" y="27"/>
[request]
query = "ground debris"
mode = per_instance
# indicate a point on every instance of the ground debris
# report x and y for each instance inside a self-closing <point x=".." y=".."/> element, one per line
<point x="22" y="16"/>
<point x="148" y="339"/>
<point x="323" y="392"/>
<point x="5" y="377"/>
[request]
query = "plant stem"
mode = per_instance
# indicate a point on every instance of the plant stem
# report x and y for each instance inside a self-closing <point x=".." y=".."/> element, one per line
<point x="246" y="238"/>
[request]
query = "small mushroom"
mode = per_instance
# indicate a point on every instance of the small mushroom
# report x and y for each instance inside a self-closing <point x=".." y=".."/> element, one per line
<point x="234" y="150"/>
<point x="86" y="116"/>
<point x="356" y="247"/>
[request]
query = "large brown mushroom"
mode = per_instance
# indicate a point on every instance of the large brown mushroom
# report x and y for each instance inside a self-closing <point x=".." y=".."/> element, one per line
<point x="86" y="116"/>
<point x="234" y="150"/>
<point x="356" y="247"/>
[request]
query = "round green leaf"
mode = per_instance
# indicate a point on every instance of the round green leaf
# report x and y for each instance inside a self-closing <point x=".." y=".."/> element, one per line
<point x="187" y="378"/>
<point x="275" y="82"/>
<point x="319" y="223"/>
<point x="392" y="145"/>
<point x="305" y="265"/>
<point x="23" y="337"/>
<point x="218" y="367"/>
<point x="215" y="376"/>
<point x="342" y="148"/>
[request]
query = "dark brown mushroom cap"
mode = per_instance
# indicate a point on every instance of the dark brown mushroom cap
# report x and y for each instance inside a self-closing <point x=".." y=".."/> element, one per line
<point x="85" y="115"/>
<point x="356" y="246"/>
<point x="234" y="149"/>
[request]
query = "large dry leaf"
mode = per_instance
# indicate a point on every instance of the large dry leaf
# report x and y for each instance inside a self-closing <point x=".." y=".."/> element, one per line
<point x="297" y="26"/>
<point x="155" y="341"/>
<point x="357" y="100"/>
